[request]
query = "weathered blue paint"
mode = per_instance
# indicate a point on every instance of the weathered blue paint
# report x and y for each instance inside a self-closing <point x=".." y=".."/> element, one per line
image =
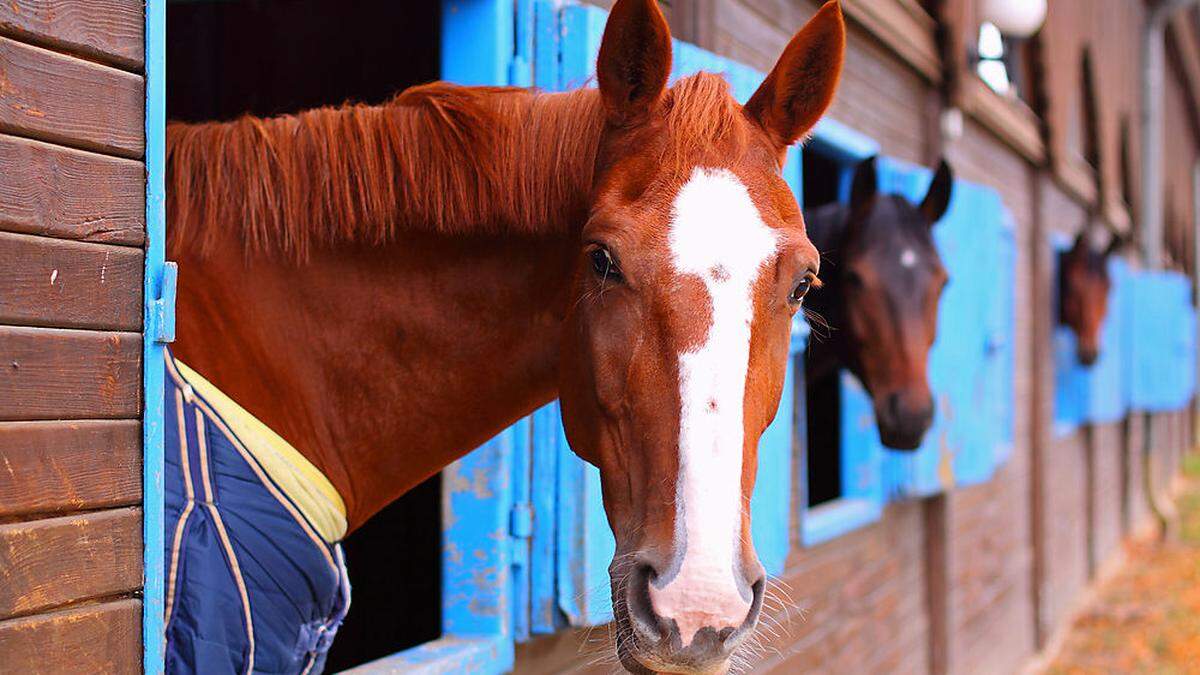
<point x="520" y="525"/>
<point x="544" y="615"/>
<point x="446" y="656"/>
<point x="158" y="327"/>
<point x="585" y="542"/>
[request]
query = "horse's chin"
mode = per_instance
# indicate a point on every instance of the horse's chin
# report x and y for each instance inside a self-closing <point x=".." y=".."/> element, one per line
<point x="647" y="664"/>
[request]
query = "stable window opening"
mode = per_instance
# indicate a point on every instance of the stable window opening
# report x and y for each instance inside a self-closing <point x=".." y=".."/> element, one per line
<point x="227" y="58"/>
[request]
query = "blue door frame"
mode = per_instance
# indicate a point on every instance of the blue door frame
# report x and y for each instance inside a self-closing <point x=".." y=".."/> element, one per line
<point x="158" y="328"/>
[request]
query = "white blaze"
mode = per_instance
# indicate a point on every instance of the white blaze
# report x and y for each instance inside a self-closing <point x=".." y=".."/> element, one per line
<point x="717" y="234"/>
<point x="908" y="258"/>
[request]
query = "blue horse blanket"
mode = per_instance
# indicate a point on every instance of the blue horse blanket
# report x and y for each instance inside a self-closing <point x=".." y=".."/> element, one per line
<point x="254" y="585"/>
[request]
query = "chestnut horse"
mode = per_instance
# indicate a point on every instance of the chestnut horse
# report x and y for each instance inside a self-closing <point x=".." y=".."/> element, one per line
<point x="1083" y="286"/>
<point x="880" y="299"/>
<point x="387" y="287"/>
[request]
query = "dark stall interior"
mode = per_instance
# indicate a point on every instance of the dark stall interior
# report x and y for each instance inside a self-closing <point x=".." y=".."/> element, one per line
<point x="227" y="58"/>
<point x="821" y="174"/>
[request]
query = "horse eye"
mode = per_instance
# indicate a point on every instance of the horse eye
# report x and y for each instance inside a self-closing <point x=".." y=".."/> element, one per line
<point x="800" y="291"/>
<point x="603" y="264"/>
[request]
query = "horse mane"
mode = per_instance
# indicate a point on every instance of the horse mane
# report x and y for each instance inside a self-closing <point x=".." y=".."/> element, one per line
<point x="438" y="157"/>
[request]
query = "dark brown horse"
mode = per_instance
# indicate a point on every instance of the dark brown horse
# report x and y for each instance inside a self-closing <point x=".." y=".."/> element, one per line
<point x="1083" y="286"/>
<point x="387" y="287"/>
<point x="882" y="282"/>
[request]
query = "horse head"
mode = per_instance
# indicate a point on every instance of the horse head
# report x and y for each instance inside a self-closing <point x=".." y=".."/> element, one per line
<point x="881" y="298"/>
<point x="692" y="263"/>
<point x="1083" y="292"/>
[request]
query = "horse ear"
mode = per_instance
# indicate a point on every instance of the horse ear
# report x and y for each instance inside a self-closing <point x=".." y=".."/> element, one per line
<point x="801" y="85"/>
<point x="938" y="197"/>
<point x="865" y="183"/>
<point x="635" y="59"/>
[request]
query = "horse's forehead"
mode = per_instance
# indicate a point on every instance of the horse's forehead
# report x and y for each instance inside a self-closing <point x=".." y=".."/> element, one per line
<point x="717" y="227"/>
<point x="895" y="238"/>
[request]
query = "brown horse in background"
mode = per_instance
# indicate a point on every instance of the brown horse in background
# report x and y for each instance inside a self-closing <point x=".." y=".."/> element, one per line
<point x="387" y="287"/>
<point x="880" y="299"/>
<point x="1083" y="286"/>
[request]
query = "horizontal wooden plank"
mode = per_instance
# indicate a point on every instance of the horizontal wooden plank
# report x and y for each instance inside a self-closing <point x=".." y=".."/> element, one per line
<point x="61" y="192"/>
<point x="903" y="26"/>
<point x="51" y="562"/>
<point x="107" y="30"/>
<point x="50" y="373"/>
<point x="62" y="99"/>
<point x="99" y="638"/>
<point x="69" y="284"/>
<point x="48" y="467"/>
<point x="1009" y="119"/>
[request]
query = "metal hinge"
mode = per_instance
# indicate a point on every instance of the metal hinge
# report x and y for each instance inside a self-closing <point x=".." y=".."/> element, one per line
<point x="160" y="314"/>
<point x="520" y="520"/>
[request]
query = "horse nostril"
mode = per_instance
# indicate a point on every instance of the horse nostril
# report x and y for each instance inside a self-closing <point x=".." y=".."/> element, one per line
<point x="641" y="610"/>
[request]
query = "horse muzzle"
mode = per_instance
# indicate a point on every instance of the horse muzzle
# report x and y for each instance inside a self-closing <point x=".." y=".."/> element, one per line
<point x="903" y="418"/>
<point x="693" y="628"/>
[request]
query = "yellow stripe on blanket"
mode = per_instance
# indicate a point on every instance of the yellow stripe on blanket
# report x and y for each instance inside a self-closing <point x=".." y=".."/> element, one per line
<point x="302" y="482"/>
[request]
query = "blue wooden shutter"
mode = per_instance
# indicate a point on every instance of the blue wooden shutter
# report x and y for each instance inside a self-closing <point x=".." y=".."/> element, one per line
<point x="971" y="363"/>
<point x="1162" y="334"/>
<point x="926" y="470"/>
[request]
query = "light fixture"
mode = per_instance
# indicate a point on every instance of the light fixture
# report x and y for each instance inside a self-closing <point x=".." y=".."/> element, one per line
<point x="1014" y="18"/>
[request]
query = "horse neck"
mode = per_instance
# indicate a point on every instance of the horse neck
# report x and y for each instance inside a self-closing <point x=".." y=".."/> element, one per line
<point x="383" y="363"/>
<point x="827" y="344"/>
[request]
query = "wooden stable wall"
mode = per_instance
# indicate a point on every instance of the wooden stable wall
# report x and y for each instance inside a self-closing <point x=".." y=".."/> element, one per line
<point x="980" y="579"/>
<point x="72" y="224"/>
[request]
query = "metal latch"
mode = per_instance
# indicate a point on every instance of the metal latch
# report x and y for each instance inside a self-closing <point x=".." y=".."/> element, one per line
<point x="160" y="314"/>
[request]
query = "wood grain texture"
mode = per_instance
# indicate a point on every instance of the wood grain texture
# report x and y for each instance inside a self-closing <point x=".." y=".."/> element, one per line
<point x="52" y="562"/>
<point x="49" y="467"/>
<point x="60" y="192"/>
<point x="1010" y="120"/>
<point x="905" y="28"/>
<point x="100" y="638"/>
<point x="50" y="373"/>
<point x="69" y="284"/>
<point x="107" y="30"/>
<point x="62" y="99"/>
